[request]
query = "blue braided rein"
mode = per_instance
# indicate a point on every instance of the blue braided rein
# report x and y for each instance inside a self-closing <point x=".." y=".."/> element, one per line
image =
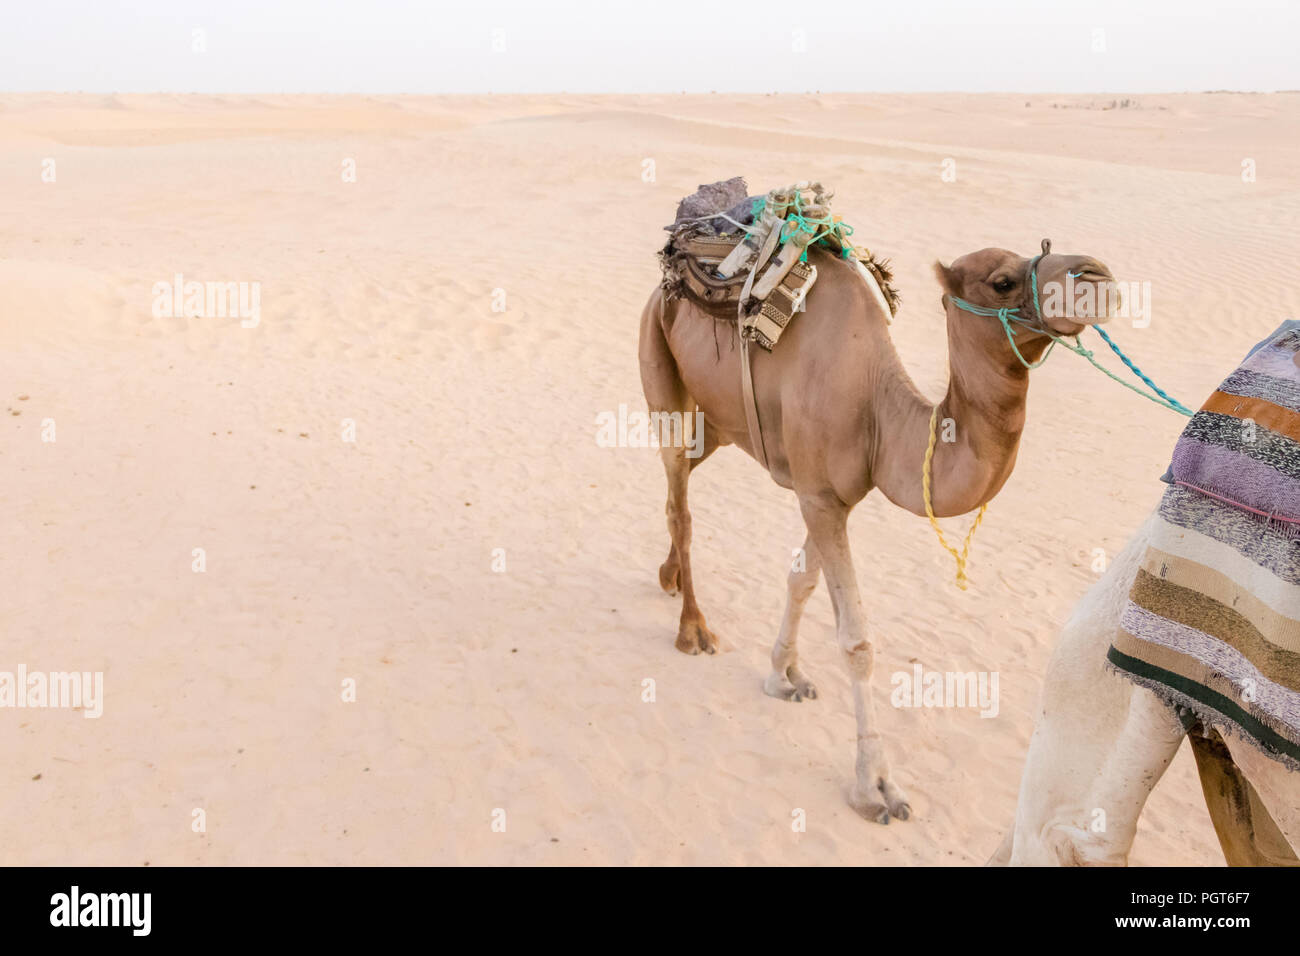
<point x="1174" y="403"/>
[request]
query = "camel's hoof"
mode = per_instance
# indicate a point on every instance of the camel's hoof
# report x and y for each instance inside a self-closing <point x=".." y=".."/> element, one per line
<point x="777" y="686"/>
<point x="694" y="637"/>
<point x="670" y="577"/>
<point x="789" y="686"/>
<point x="873" y="810"/>
<point x="896" y="800"/>
<point x="803" y="687"/>
<point x="880" y="803"/>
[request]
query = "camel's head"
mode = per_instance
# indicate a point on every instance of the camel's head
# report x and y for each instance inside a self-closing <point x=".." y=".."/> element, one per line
<point x="1049" y="291"/>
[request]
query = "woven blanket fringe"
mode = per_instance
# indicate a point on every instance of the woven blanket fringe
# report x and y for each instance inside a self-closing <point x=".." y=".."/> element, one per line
<point x="1211" y="718"/>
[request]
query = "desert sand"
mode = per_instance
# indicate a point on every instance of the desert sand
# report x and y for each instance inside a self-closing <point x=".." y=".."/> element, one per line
<point x="474" y="562"/>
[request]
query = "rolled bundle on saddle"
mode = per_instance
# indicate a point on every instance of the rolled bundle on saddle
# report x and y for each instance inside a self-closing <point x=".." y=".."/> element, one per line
<point x="732" y="251"/>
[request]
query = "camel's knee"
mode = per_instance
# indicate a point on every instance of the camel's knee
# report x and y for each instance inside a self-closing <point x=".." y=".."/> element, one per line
<point x="1070" y="845"/>
<point x="802" y="585"/>
<point x="859" y="656"/>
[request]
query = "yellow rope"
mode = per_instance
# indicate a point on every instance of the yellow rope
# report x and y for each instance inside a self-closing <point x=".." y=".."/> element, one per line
<point x="929" y="511"/>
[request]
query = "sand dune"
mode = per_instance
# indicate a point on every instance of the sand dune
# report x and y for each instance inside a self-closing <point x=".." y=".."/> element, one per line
<point x="373" y="560"/>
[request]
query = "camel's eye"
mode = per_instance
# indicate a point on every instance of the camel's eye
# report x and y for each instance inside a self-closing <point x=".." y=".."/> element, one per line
<point x="1003" y="284"/>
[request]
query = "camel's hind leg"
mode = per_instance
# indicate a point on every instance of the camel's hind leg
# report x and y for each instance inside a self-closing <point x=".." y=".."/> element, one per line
<point x="666" y="393"/>
<point x="693" y="635"/>
<point x="670" y="572"/>
<point x="786" y="680"/>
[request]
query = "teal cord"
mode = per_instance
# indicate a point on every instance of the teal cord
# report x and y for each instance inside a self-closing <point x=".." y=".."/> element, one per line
<point x="1173" y="403"/>
<point x="1163" y="400"/>
<point x="1006" y="317"/>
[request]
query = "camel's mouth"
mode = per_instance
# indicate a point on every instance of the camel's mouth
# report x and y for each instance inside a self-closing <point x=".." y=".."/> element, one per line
<point x="1074" y="301"/>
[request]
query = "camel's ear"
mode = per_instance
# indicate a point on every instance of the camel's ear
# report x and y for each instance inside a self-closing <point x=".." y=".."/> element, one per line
<point x="948" y="278"/>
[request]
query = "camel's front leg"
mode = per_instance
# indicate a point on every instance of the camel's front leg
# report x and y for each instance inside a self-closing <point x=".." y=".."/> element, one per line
<point x="786" y="680"/>
<point x="874" y="795"/>
<point x="1101" y="832"/>
<point x="1099" y="744"/>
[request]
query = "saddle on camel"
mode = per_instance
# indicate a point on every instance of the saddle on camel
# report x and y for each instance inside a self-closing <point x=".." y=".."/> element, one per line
<point x="730" y="252"/>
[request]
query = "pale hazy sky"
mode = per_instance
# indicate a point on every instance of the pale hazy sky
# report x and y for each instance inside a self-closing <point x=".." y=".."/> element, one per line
<point x="375" y="46"/>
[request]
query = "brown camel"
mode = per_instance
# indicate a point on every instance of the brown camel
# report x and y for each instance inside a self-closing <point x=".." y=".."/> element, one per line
<point x="840" y="416"/>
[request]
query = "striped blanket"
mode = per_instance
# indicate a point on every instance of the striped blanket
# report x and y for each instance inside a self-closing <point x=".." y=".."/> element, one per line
<point x="1213" y="619"/>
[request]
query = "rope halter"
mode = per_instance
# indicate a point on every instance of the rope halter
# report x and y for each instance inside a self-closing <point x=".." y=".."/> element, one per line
<point x="1007" y="316"/>
<point x="1010" y="317"/>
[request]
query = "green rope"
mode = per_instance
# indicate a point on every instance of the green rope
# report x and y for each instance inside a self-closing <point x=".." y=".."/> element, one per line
<point x="1172" y="404"/>
<point x="822" y="229"/>
<point x="1006" y="317"/>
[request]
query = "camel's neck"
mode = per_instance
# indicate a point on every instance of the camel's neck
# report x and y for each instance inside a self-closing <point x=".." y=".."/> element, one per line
<point x="979" y="423"/>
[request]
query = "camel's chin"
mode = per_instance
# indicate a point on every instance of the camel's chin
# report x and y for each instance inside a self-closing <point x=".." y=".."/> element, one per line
<point x="1066" y="327"/>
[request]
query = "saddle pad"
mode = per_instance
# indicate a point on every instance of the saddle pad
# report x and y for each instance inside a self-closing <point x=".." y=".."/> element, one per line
<point x="1213" y="618"/>
<point x="688" y="270"/>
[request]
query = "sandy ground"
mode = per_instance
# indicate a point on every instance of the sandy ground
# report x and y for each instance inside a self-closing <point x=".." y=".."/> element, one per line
<point x="520" y="689"/>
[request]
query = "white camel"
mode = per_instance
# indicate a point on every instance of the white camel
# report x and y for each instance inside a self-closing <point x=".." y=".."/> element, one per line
<point x="1102" y="743"/>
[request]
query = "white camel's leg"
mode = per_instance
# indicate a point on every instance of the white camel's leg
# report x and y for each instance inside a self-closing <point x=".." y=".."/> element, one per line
<point x="1101" y="832"/>
<point x="874" y="795"/>
<point x="1093" y="729"/>
<point x="1002" y="855"/>
<point x="786" y="680"/>
<point x="1081" y="711"/>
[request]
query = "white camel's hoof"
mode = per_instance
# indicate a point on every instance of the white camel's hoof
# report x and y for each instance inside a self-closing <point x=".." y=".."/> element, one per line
<point x="777" y="686"/>
<point x="880" y="803"/>
<point x="869" y="805"/>
<point x="791" y="685"/>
